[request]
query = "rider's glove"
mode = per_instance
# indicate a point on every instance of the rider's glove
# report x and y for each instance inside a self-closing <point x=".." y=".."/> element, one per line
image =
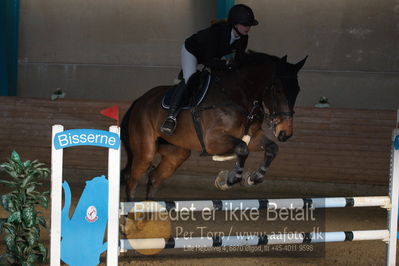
<point x="231" y="65"/>
<point x="227" y="65"/>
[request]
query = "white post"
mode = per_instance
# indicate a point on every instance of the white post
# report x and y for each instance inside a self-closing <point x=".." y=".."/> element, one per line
<point x="393" y="194"/>
<point x="113" y="202"/>
<point x="56" y="199"/>
<point x="397" y="118"/>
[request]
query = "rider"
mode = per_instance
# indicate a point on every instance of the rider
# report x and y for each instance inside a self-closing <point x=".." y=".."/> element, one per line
<point x="207" y="47"/>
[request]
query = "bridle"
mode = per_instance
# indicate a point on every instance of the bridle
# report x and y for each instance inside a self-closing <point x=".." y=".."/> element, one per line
<point x="271" y="118"/>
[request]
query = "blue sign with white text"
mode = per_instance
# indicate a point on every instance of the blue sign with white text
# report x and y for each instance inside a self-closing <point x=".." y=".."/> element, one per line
<point x="82" y="137"/>
<point x="396" y="143"/>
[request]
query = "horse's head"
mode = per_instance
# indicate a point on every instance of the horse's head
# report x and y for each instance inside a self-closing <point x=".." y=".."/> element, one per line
<point x="275" y="82"/>
<point x="280" y="96"/>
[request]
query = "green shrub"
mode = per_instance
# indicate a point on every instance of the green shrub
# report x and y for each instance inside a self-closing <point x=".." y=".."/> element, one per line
<point x="21" y="229"/>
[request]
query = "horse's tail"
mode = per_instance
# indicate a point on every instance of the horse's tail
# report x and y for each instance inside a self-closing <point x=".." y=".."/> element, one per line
<point x="125" y="142"/>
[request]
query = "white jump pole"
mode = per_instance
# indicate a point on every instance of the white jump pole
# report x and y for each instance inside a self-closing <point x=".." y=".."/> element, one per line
<point x="56" y="198"/>
<point x="393" y="194"/>
<point x="114" y="157"/>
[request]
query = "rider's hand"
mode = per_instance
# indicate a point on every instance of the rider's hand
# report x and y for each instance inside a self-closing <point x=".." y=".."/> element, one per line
<point x="231" y="65"/>
<point x="227" y="65"/>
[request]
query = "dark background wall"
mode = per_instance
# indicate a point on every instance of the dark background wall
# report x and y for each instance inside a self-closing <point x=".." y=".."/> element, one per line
<point x="117" y="50"/>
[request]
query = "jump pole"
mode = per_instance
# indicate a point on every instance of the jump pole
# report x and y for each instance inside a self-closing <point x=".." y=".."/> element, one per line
<point x="254" y="240"/>
<point x="114" y="159"/>
<point x="256" y="204"/>
<point x="394" y="196"/>
<point x="56" y="200"/>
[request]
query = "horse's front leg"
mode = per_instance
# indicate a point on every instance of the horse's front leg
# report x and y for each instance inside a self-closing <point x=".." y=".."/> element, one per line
<point x="226" y="179"/>
<point x="270" y="149"/>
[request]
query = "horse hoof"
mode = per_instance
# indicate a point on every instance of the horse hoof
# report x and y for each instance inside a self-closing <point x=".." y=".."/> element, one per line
<point x="246" y="179"/>
<point x="221" y="180"/>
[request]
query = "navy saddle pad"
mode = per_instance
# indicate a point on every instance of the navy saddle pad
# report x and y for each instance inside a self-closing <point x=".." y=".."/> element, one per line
<point x="196" y="90"/>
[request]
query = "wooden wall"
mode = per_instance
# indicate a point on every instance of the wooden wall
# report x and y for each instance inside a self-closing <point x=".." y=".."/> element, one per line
<point x="333" y="145"/>
<point x="329" y="145"/>
<point x="26" y="127"/>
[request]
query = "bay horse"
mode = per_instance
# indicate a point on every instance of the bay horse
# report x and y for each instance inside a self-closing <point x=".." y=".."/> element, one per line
<point x="239" y="103"/>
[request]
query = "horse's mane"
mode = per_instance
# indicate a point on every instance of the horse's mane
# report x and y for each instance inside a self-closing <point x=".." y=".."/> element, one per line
<point x="282" y="67"/>
<point x="252" y="58"/>
<point x="257" y="58"/>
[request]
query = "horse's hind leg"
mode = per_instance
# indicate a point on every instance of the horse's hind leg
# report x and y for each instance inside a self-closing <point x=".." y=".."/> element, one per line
<point x="144" y="151"/>
<point x="172" y="158"/>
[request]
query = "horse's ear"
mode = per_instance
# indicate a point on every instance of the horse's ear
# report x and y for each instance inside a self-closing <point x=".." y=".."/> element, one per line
<point x="300" y="64"/>
<point x="284" y="58"/>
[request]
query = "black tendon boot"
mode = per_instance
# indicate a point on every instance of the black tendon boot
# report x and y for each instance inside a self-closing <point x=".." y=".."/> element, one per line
<point x="169" y="125"/>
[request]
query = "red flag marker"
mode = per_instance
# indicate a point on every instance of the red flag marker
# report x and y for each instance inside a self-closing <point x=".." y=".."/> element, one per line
<point x="112" y="112"/>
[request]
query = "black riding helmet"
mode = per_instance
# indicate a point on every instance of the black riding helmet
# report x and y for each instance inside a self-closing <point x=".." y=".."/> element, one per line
<point x="242" y="14"/>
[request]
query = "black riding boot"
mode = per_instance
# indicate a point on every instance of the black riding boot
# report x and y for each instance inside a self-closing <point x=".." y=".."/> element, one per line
<point x="169" y="125"/>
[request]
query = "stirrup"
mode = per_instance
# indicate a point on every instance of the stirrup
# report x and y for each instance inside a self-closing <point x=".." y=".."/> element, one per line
<point x="169" y="125"/>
